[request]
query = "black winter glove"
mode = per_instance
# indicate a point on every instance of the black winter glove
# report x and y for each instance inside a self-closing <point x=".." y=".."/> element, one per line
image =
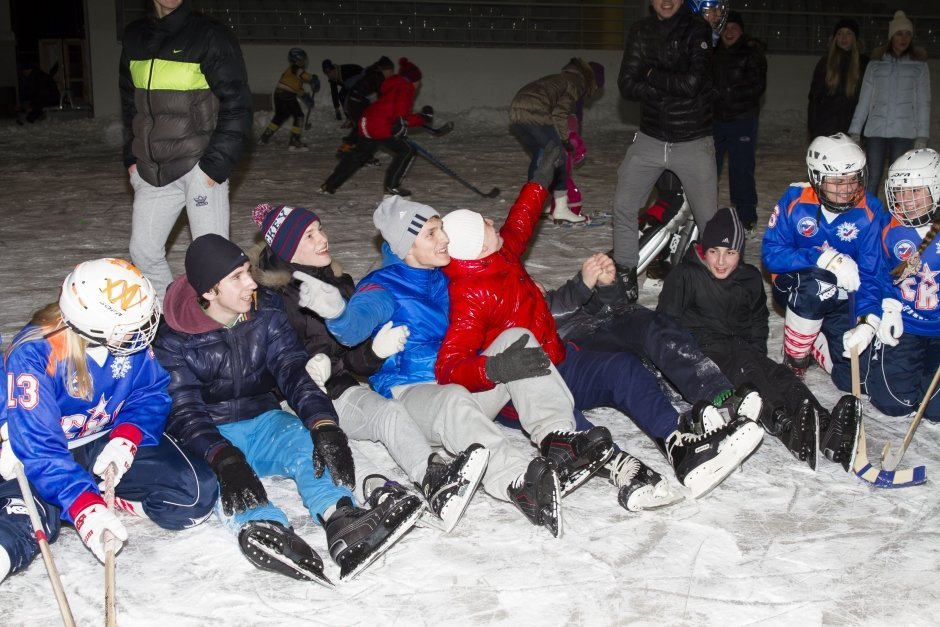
<point x="427" y="112"/>
<point x="517" y="362"/>
<point x="331" y="450"/>
<point x="400" y="128"/>
<point x="239" y="486"/>
<point x="553" y="157"/>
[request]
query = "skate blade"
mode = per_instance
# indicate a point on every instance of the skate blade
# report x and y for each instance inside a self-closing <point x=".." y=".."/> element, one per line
<point x="471" y="474"/>
<point x="287" y="566"/>
<point x="581" y="475"/>
<point x="409" y="521"/>
<point x="736" y="449"/>
<point x="653" y="497"/>
<point x="814" y="460"/>
<point x="554" y="521"/>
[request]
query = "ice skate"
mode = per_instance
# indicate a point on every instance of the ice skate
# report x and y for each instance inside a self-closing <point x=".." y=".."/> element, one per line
<point x="640" y="486"/>
<point x="702" y="461"/>
<point x="296" y="145"/>
<point x="269" y="545"/>
<point x="839" y="431"/>
<point x="561" y="214"/>
<point x="448" y="488"/>
<point x="577" y="454"/>
<point x="744" y="402"/>
<point x="702" y="418"/>
<point x="537" y="494"/>
<point x="357" y="536"/>
<point x="266" y="136"/>
<point x="800" y="434"/>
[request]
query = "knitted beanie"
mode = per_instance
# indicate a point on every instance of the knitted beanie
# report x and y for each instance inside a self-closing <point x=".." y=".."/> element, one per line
<point x="400" y="221"/>
<point x="899" y="23"/>
<point x="209" y="259"/>
<point x="282" y="227"/>
<point x="724" y="229"/>
<point x="465" y="231"/>
<point x="846" y="22"/>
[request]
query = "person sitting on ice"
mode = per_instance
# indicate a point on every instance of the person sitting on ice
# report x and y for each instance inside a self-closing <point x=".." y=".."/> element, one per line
<point x="539" y="118"/>
<point x="287" y="94"/>
<point x="295" y="246"/>
<point x="490" y="292"/>
<point x="228" y="346"/>
<point x="721" y="300"/>
<point x="86" y="396"/>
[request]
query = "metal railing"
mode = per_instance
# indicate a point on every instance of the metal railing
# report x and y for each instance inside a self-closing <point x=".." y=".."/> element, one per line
<point x="786" y="26"/>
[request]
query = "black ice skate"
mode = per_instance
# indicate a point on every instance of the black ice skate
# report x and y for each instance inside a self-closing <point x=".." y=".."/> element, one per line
<point x="702" y="461"/>
<point x="296" y="145"/>
<point x="358" y="536"/>
<point x="703" y="417"/>
<point x="537" y="494"/>
<point x="577" y="454"/>
<point x="744" y="402"/>
<point x="448" y="488"/>
<point x="269" y="545"/>
<point x="641" y="487"/>
<point x="839" y="439"/>
<point x="800" y="434"/>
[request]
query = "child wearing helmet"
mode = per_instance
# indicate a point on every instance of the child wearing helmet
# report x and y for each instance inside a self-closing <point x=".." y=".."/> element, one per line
<point x="821" y="248"/>
<point x="715" y="12"/>
<point x="85" y="394"/>
<point x="290" y="88"/>
<point x="897" y="369"/>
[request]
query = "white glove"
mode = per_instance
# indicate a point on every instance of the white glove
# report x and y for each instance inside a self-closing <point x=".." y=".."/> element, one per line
<point x="892" y="325"/>
<point x="319" y="368"/>
<point x="920" y="142"/>
<point x="390" y="340"/>
<point x="92" y="522"/>
<point x="841" y="265"/>
<point x="861" y="336"/>
<point x="120" y="452"/>
<point x="8" y="459"/>
<point x="321" y="298"/>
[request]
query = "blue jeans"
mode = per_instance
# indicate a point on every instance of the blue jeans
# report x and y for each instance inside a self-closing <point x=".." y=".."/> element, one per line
<point x="739" y="139"/>
<point x="535" y="139"/>
<point x="875" y="150"/>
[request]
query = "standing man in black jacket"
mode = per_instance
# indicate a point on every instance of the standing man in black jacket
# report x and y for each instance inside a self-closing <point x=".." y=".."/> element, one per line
<point x="739" y="69"/>
<point x="186" y="111"/>
<point x="667" y="68"/>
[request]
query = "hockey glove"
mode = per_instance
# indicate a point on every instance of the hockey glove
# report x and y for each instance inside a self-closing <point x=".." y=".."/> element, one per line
<point x="239" y="486"/>
<point x="427" y="112"/>
<point x="517" y="362"/>
<point x="8" y="459"/>
<point x="331" y="451"/>
<point x="319" y="368"/>
<point x="321" y="298"/>
<point x="120" y="452"/>
<point x="400" y="128"/>
<point x="553" y="157"/>
<point x="892" y="325"/>
<point x="91" y="523"/>
<point x="861" y="336"/>
<point x="841" y="265"/>
<point x="390" y="340"/>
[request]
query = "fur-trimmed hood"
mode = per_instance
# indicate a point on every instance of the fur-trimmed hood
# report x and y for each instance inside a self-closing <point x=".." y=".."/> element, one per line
<point x="271" y="271"/>
<point x="916" y="53"/>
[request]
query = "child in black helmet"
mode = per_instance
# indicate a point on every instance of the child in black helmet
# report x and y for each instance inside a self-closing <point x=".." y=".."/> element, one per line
<point x="289" y="88"/>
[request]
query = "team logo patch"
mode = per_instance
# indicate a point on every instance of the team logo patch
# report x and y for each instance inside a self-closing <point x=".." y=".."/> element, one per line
<point x="807" y="227"/>
<point x="705" y="45"/>
<point x="847" y="231"/>
<point x="120" y="366"/>
<point x="824" y="290"/>
<point x="773" y="217"/>
<point x="201" y="201"/>
<point x="904" y="249"/>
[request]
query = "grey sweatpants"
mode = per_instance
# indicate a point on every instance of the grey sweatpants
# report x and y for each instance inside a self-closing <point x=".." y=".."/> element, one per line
<point x="451" y="416"/>
<point x="156" y="210"/>
<point x="692" y="161"/>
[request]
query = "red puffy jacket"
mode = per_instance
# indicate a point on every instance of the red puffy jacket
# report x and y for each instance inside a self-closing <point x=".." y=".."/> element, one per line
<point x="490" y="295"/>
<point x="396" y="97"/>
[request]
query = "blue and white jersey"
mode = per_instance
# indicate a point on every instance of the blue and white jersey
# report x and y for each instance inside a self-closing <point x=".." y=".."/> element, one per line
<point x="917" y="292"/>
<point x="800" y="229"/>
<point x="46" y="421"/>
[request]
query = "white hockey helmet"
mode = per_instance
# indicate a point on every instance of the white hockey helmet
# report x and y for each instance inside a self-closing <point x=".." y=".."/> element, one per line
<point x="837" y="156"/>
<point x="912" y="188"/>
<point x="109" y="302"/>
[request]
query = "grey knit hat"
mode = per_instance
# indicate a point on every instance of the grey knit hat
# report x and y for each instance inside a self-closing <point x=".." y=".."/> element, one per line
<point x="400" y="221"/>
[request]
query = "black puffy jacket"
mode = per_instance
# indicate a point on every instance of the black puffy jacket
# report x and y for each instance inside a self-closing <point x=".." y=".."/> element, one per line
<point x="667" y="67"/>
<point x="184" y="96"/>
<point x="831" y="113"/>
<point x="220" y="375"/>
<point x="740" y="78"/>
<point x="721" y="314"/>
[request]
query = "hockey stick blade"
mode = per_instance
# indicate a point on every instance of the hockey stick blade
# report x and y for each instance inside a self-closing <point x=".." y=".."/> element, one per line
<point x="493" y="193"/>
<point x="441" y="130"/>
<point x="880" y="478"/>
<point x="889" y="461"/>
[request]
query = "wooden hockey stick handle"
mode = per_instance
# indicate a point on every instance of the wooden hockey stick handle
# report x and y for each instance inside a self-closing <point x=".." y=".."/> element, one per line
<point x="892" y="461"/>
<point x="110" y="606"/>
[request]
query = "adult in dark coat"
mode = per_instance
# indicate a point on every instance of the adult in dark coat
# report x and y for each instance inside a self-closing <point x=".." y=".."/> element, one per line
<point x="837" y="80"/>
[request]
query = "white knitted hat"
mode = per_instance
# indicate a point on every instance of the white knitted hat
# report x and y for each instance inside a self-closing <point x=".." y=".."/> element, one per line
<point x="464" y="228"/>
<point x="899" y="23"/>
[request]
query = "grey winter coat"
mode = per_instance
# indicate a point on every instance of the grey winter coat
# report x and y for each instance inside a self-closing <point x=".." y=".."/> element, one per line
<point x="551" y="99"/>
<point x="895" y="97"/>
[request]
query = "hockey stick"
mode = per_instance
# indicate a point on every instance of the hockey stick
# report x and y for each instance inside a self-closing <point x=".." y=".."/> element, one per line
<point x="493" y="193"/>
<point x="443" y="129"/>
<point x="110" y="607"/>
<point x="889" y="461"/>
<point x="40" y="534"/>
<point x="862" y="468"/>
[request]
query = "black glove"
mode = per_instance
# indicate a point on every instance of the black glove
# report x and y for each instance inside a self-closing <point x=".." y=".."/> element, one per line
<point x="239" y="486"/>
<point x="553" y="157"/>
<point x="517" y="362"/>
<point x="400" y="128"/>
<point x="427" y="112"/>
<point x="331" y="450"/>
<point x="338" y="113"/>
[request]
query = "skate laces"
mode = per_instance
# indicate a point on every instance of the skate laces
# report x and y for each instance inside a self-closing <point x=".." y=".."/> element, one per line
<point x="624" y="469"/>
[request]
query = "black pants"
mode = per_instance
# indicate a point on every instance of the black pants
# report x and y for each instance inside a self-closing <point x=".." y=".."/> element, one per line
<point x="404" y="154"/>
<point x="285" y="106"/>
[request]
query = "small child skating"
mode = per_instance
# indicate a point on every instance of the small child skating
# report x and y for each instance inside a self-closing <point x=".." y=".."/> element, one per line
<point x="287" y="96"/>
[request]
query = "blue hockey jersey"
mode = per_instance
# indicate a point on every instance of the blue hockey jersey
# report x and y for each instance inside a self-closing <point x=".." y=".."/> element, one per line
<point x="800" y="229"/>
<point x="917" y="292"/>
